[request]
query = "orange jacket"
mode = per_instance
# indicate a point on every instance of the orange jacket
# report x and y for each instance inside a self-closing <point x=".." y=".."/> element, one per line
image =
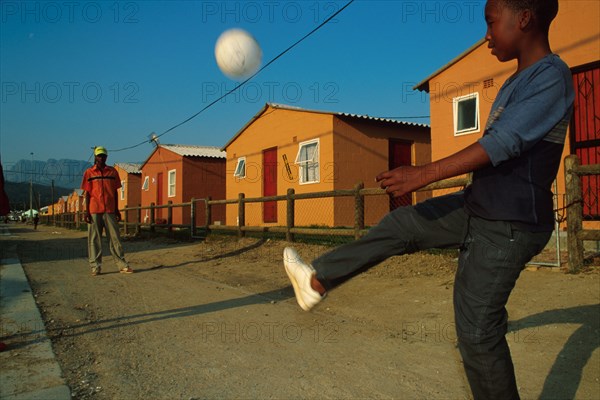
<point x="102" y="185"/>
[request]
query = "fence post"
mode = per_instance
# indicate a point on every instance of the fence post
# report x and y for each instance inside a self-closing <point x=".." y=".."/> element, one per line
<point x="291" y="211"/>
<point x="359" y="210"/>
<point x="138" y="225"/>
<point x="193" y="217"/>
<point x="208" y="213"/>
<point x="574" y="213"/>
<point x="170" y="216"/>
<point x="125" y="220"/>
<point x="152" y="228"/>
<point x="241" y="214"/>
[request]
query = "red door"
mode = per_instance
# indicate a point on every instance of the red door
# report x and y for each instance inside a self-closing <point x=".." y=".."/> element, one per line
<point x="159" y="194"/>
<point x="400" y="153"/>
<point x="270" y="184"/>
<point x="585" y="133"/>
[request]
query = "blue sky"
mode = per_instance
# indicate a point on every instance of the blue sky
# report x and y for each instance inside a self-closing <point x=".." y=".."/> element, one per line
<point x="78" y="74"/>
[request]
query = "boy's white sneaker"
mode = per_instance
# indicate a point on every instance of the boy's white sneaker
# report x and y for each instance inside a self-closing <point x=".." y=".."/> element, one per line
<point x="300" y="274"/>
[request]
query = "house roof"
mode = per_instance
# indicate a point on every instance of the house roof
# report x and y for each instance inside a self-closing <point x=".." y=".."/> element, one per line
<point x="190" y="150"/>
<point x="334" y="113"/>
<point x="423" y="86"/>
<point x="195" y="151"/>
<point x="130" y="168"/>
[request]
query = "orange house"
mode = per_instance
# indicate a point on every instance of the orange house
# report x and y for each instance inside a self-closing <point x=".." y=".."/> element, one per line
<point x="462" y="93"/>
<point x="131" y="186"/>
<point x="178" y="173"/>
<point x="61" y="205"/>
<point x="76" y="201"/>
<point x="53" y="209"/>
<point x="284" y="147"/>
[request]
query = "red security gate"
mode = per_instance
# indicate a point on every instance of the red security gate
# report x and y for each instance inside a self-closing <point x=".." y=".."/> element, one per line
<point x="585" y="132"/>
<point x="159" y="195"/>
<point x="270" y="184"/>
<point x="400" y="154"/>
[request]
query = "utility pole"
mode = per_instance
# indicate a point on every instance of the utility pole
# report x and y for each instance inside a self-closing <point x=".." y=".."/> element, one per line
<point x="52" y="202"/>
<point x="31" y="190"/>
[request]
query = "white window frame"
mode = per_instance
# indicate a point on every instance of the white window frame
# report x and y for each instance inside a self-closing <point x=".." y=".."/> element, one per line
<point x="122" y="190"/>
<point x="303" y="164"/>
<point x="455" y="108"/>
<point x="241" y="164"/>
<point x="146" y="184"/>
<point x="172" y="182"/>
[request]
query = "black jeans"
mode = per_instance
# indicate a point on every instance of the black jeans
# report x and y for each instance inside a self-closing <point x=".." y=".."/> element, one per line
<point x="492" y="255"/>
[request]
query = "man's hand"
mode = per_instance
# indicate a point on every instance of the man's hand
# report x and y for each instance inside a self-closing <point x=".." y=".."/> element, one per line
<point x="118" y="215"/>
<point x="88" y="218"/>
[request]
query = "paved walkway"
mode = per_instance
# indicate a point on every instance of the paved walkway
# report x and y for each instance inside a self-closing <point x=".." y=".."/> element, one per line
<point x="28" y="367"/>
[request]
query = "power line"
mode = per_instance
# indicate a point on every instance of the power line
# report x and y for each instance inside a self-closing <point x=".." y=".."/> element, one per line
<point x="242" y="83"/>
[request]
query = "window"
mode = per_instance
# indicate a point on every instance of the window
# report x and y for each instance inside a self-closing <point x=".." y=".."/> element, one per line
<point x="146" y="184"/>
<point x="466" y="114"/>
<point x="308" y="161"/>
<point x="240" y="168"/>
<point x="122" y="190"/>
<point x="172" y="175"/>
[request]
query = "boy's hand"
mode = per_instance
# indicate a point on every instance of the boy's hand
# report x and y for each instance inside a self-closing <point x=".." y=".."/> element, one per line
<point x="406" y="179"/>
<point x="402" y="180"/>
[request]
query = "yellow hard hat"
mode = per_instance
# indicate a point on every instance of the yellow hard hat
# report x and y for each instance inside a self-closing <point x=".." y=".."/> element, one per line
<point x="100" y="150"/>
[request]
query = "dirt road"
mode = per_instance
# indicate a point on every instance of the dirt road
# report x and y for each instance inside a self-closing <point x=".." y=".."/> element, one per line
<point x="217" y="319"/>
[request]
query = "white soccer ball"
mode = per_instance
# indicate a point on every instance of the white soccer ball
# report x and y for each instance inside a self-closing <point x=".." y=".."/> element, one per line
<point x="238" y="54"/>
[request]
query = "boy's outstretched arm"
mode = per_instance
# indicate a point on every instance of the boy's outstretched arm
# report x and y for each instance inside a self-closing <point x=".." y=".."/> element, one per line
<point x="406" y="179"/>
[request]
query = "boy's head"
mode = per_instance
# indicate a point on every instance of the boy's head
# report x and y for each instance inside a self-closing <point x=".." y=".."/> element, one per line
<point x="510" y="22"/>
<point x="543" y="11"/>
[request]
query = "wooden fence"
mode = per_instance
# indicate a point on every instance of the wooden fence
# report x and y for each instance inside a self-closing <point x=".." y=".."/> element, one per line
<point x="576" y="235"/>
<point x="289" y="230"/>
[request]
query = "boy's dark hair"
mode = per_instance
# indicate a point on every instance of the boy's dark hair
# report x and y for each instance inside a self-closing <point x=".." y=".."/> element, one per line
<point x="544" y="11"/>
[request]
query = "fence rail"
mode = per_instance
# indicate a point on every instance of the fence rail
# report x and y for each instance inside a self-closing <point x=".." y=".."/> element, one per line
<point x="290" y="230"/>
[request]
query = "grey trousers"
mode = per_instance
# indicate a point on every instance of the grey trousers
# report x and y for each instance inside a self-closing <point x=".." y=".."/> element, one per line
<point x="492" y="255"/>
<point x="107" y="222"/>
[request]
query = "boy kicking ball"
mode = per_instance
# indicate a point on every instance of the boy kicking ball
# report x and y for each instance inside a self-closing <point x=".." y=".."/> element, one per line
<point x="500" y="222"/>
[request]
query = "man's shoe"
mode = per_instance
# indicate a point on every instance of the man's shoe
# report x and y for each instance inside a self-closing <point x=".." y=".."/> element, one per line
<point x="300" y="275"/>
<point x="126" y="271"/>
<point x="96" y="271"/>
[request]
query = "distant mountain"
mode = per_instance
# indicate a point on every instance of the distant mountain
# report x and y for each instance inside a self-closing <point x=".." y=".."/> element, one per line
<point x="64" y="173"/>
<point x="19" y="195"/>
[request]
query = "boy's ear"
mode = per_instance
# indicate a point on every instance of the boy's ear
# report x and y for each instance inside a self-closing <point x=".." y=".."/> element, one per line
<point x="525" y="19"/>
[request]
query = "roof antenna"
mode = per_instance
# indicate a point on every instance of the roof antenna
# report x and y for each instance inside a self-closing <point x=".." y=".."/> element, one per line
<point x="153" y="139"/>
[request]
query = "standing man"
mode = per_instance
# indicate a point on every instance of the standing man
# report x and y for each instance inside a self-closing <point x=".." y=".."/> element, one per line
<point x="101" y="183"/>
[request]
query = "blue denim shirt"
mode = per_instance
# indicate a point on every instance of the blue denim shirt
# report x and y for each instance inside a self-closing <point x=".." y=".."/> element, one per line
<point x="524" y="138"/>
